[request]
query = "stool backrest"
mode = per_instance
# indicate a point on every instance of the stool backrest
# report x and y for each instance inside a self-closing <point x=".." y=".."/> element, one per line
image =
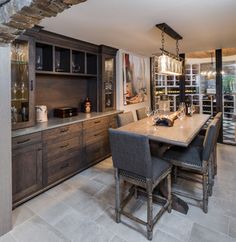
<point x="218" y="115"/>
<point x="141" y="113"/>
<point x="131" y="152"/>
<point x="209" y="140"/>
<point x="125" y="118"/>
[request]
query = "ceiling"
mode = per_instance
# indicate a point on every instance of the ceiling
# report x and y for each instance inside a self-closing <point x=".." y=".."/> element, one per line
<point x="130" y="24"/>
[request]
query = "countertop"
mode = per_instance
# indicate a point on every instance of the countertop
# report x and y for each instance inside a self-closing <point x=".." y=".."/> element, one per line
<point x="58" y="122"/>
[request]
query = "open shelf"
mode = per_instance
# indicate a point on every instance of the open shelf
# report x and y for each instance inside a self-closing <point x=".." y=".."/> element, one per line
<point x="44" y="57"/>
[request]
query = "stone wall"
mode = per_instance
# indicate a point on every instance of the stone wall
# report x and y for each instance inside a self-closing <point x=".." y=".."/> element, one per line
<point x="17" y="16"/>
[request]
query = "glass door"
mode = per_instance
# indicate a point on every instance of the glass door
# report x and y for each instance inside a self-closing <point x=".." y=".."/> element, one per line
<point x="22" y="80"/>
<point x="229" y="95"/>
<point x="200" y="82"/>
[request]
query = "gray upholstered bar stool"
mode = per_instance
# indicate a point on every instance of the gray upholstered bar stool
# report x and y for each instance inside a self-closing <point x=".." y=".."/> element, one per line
<point x="198" y="141"/>
<point x="196" y="160"/>
<point x="133" y="163"/>
<point x="141" y="114"/>
<point x="124" y="118"/>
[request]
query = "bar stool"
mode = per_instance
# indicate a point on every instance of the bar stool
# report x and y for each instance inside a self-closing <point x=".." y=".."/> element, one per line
<point x="125" y="118"/>
<point x="197" y="160"/>
<point x="133" y="163"/>
<point x="141" y="113"/>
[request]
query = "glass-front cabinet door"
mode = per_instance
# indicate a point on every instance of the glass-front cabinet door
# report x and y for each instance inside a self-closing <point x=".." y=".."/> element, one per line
<point x="107" y="78"/>
<point x="108" y="83"/>
<point x="22" y="84"/>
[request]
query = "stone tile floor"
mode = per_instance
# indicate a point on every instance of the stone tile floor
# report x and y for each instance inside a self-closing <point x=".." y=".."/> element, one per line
<point x="82" y="209"/>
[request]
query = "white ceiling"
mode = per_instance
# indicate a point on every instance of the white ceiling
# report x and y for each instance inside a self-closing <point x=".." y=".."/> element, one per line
<point x="130" y="24"/>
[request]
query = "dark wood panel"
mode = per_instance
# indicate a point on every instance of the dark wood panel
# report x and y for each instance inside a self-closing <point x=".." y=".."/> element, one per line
<point x="60" y="148"/>
<point x="63" y="131"/>
<point x="63" y="168"/>
<point x="26" y="171"/>
<point x="60" y="91"/>
<point x="24" y="140"/>
<point x="95" y="123"/>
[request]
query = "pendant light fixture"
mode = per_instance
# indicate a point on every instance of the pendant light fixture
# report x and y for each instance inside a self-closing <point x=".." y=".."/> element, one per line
<point x="168" y="63"/>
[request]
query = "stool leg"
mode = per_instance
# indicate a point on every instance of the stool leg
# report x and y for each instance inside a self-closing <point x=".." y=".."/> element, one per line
<point x="169" y="197"/>
<point x="210" y="177"/>
<point x="149" y="210"/>
<point x="175" y="173"/>
<point x="205" y="193"/>
<point x="215" y="160"/>
<point x="117" y="184"/>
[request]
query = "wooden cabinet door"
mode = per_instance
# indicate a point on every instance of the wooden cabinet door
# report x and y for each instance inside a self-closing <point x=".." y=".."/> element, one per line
<point x="26" y="171"/>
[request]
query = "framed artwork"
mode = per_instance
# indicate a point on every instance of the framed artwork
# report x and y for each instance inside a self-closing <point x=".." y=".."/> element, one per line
<point x="135" y="77"/>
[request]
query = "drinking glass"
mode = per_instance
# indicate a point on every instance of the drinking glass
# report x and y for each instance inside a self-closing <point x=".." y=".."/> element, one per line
<point x="156" y="114"/>
<point x="192" y="109"/>
<point x="181" y="115"/>
<point x="148" y="111"/>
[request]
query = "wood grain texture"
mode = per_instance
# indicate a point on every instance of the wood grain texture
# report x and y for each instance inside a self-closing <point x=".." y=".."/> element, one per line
<point x="60" y="91"/>
<point x="176" y="135"/>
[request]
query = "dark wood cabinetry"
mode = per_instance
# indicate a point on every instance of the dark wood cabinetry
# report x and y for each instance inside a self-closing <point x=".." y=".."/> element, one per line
<point x="95" y="140"/>
<point x="43" y="159"/>
<point x="27" y="166"/>
<point x="62" y="152"/>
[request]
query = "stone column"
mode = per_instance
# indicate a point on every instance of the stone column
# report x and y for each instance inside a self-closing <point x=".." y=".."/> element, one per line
<point x="5" y="141"/>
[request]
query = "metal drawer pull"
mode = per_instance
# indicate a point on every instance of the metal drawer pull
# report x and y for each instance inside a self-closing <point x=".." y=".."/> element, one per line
<point x="23" y="141"/>
<point x="64" y="146"/>
<point x="64" y="130"/>
<point x="97" y="122"/>
<point x="65" y="166"/>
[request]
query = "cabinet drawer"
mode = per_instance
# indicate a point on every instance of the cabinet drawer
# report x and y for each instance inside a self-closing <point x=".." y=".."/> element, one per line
<point x="28" y="139"/>
<point x="66" y="130"/>
<point x="98" y="123"/>
<point x="63" y="168"/>
<point x="95" y="136"/>
<point x="61" y="148"/>
<point x="96" y="151"/>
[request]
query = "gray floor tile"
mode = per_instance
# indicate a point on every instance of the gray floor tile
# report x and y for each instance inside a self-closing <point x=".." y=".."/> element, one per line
<point x="232" y="227"/>
<point x="126" y="230"/>
<point x="92" y="208"/>
<point x="21" y="214"/>
<point x="105" y="178"/>
<point x="117" y="239"/>
<point x="202" y="234"/>
<point x="161" y="236"/>
<point x="211" y="220"/>
<point x="90" y="231"/>
<point x="7" y="238"/>
<point x="85" y="184"/>
<point x="36" y="230"/>
<point x="177" y="227"/>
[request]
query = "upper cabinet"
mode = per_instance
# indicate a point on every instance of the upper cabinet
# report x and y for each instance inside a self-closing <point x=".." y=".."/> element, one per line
<point x="22" y="83"/>
<point x="107" y="78"/>
<point x="53" y="59"/>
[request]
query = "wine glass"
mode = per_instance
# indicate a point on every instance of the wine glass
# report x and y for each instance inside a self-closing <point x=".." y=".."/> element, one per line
<point x="148" y="111"/>
<point x="156" y="115"/>
<point x="192" y="109"/>
<point x="181" y="115"/>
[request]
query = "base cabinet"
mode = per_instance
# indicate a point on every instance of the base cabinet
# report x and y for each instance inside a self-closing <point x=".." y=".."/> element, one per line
<point x="41" y="160"/>
<point x="26" y="171"/>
